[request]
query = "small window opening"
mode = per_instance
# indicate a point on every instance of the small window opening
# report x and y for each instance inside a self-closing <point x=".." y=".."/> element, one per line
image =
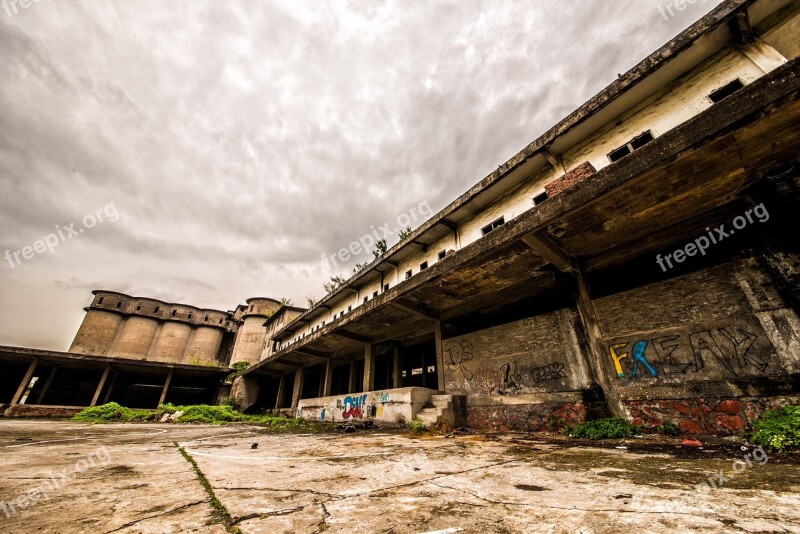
<point x="634" y="144"/>
<point x="386" y="287"/>
<point x="155" y="310"/>
<point x="442" y="254"/>
<point x="119" y="304"/>
<point x="408" y="274"/>
<point x="375" y="295"/>
<point x="139" y="307"/>
<point x="174" y="312"/>
<point x="726" y="90"/>
<point x="423" y="265"/>
<point x="541" y="197"/>
<point x="494" y="225"/>
<point x="100" y="300"/>
<point x="366" y="299"/>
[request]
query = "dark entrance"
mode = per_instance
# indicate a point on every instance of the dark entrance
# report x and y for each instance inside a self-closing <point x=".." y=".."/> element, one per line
<point x="418" y="365"/>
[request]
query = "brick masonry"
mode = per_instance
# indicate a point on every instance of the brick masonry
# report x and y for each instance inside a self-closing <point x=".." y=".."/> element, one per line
<point x="526" y="417"/>
<point x="718" y="416"/>
<point x="576" y="175"/>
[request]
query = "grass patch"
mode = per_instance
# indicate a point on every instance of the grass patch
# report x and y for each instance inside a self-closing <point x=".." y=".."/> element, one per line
<point x="610" y="428"/>
<point x="238" y="369"/>
<point x="778" y="430"/>
<point x="111" y="412"/>
<point x="198" y="413"/>
<point x="222" y="512"/>
<point x="417" y="426"/>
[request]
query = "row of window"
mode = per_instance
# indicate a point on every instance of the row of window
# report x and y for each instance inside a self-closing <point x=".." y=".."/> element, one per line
<point x="156" y="309"/>
<point x="615" y="155"/>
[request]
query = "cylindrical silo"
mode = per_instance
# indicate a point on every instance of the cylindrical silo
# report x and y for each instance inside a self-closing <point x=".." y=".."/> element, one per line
<point x="204" y="345"/>
<point x="136" y="338"/>
<point x="97" y="332"/>
<point x="171" y="342"/>
<point x="251" y="337"/>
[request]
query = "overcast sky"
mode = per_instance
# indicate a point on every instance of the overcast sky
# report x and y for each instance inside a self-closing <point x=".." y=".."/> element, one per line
<point x="233" y="143"/>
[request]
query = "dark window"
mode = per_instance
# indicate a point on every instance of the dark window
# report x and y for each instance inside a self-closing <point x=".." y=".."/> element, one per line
<point x="493" y="226"/>
<point x="138" y="308"/>
<point x="155" y="310"/>
<point x="634" y="144"/>
<point x="366" y="299"/>
<point x="408" y="274"/>
<point x="538" y="199"/>
<point x="619" y="153"/>
<point x="174" y="312"/>
<point x="100" y="300"/>
<point x="726" y="90"/>
<point x="220" y="321"/>
<point x="386" y="287"/>
<point x="375" y="295"/>
<point x="205" y="318"/>
<point x="442" y="254"/>
<point x="189" y="316"/>
<point x="119" y="304"/>
<point x="423" y="265"/>
<point x="349" y="308"/>
<point x="640" y="141"/>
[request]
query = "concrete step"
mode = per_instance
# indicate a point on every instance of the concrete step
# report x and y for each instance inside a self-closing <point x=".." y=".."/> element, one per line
<point x="430" y="416"/>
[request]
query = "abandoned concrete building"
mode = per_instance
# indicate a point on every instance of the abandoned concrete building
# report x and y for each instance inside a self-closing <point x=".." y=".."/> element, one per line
<point x="638" y="259"/>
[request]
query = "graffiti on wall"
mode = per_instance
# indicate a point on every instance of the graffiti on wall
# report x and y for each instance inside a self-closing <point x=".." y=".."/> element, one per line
<point x="510" y="378"/>
<point x="457" y="353"/>
<point x="354" y="407"/>
<point x="729" y="346"/>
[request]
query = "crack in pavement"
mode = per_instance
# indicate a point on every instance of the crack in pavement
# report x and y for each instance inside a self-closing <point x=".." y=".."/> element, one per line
<point x="126" y="525"/>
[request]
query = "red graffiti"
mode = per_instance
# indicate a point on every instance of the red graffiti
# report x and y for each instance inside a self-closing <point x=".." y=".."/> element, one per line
<point x="354" y="407"/>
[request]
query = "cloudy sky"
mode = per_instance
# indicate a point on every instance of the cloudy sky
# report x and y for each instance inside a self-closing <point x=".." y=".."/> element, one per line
<point x="229" y="145"/>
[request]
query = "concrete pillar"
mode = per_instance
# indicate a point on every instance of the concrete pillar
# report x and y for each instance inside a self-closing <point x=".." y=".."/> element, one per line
<point x="351" y="382"/>
<point x="397" y="381"/>
<point x="369" y="368"/>
<point x="328" y="378"/>
<point x="597" y="348"/>
<point x="437" y="329"/>
<point x="100" y="386"/>
<point x="107" y="396"/>
<point x="166" y="387"/>
<point x="299" y="375"/>
<point x="281" y="387"/>
<point x="26" y="380"/>
<point x="47" y="385"/>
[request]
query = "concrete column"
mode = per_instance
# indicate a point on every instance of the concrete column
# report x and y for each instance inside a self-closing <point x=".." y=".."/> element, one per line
<point x="299" y="375"/>
<point x="281" y="387"/>
<point x="100" y="386"/>
<point x="437" y="330"/>
<point x="107" y="396"/>
<point x="47" y="385"/>
<point x="369" y="368"/>
<point x="351" y="383"/>
<point x="166" y="387"/>
<point x="328" y="378"/>
<point x="597" y="349"/>
<point x="396" y="378"/>
<point x="26" y="380"/>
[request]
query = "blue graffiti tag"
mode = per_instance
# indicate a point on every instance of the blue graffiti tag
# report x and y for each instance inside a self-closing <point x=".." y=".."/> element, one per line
<point x="639" y="357"/>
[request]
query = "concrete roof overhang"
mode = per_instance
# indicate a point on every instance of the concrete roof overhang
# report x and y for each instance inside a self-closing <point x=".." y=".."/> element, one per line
<point x="667" y="192"/>
<point x="82" y="361"/>
<point x="692" y="46"/>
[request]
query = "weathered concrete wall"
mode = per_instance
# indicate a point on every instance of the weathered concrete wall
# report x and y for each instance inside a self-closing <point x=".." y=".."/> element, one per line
<point x="390" y="406"/>
<point x="521" y="374"/>
<point x="96" y="333"/>
<point x="203" y="346"/>
<point x="680" y="349"/>
<point x="171" y="342"/>
<point x="136" y="338"/>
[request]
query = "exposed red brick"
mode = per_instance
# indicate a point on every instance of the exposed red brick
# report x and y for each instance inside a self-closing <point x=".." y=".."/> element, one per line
<point x="682" y="408"/>
<point x="729" y="406"/>
<point x="689" y="427"/>
<point x="729" y="422"/>
<point x="576" y="175"/>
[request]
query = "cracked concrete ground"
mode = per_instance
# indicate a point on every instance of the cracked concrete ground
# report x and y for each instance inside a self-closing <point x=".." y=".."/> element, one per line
<point x="131" y="478"/>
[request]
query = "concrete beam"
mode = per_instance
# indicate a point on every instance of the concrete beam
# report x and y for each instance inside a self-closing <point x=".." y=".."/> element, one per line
<point x="418" y="310"/>
<point x="26" y="380"/>
<point x="554" y="160"/>
<point x="544" y="245"/>
<point x="352" y="336"/>
<point x="102" y="384"/>
<point x="314" y="353"/>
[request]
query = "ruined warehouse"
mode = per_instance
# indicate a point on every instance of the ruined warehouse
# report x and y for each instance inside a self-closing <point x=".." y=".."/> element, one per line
<point x="638" y="259"/>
